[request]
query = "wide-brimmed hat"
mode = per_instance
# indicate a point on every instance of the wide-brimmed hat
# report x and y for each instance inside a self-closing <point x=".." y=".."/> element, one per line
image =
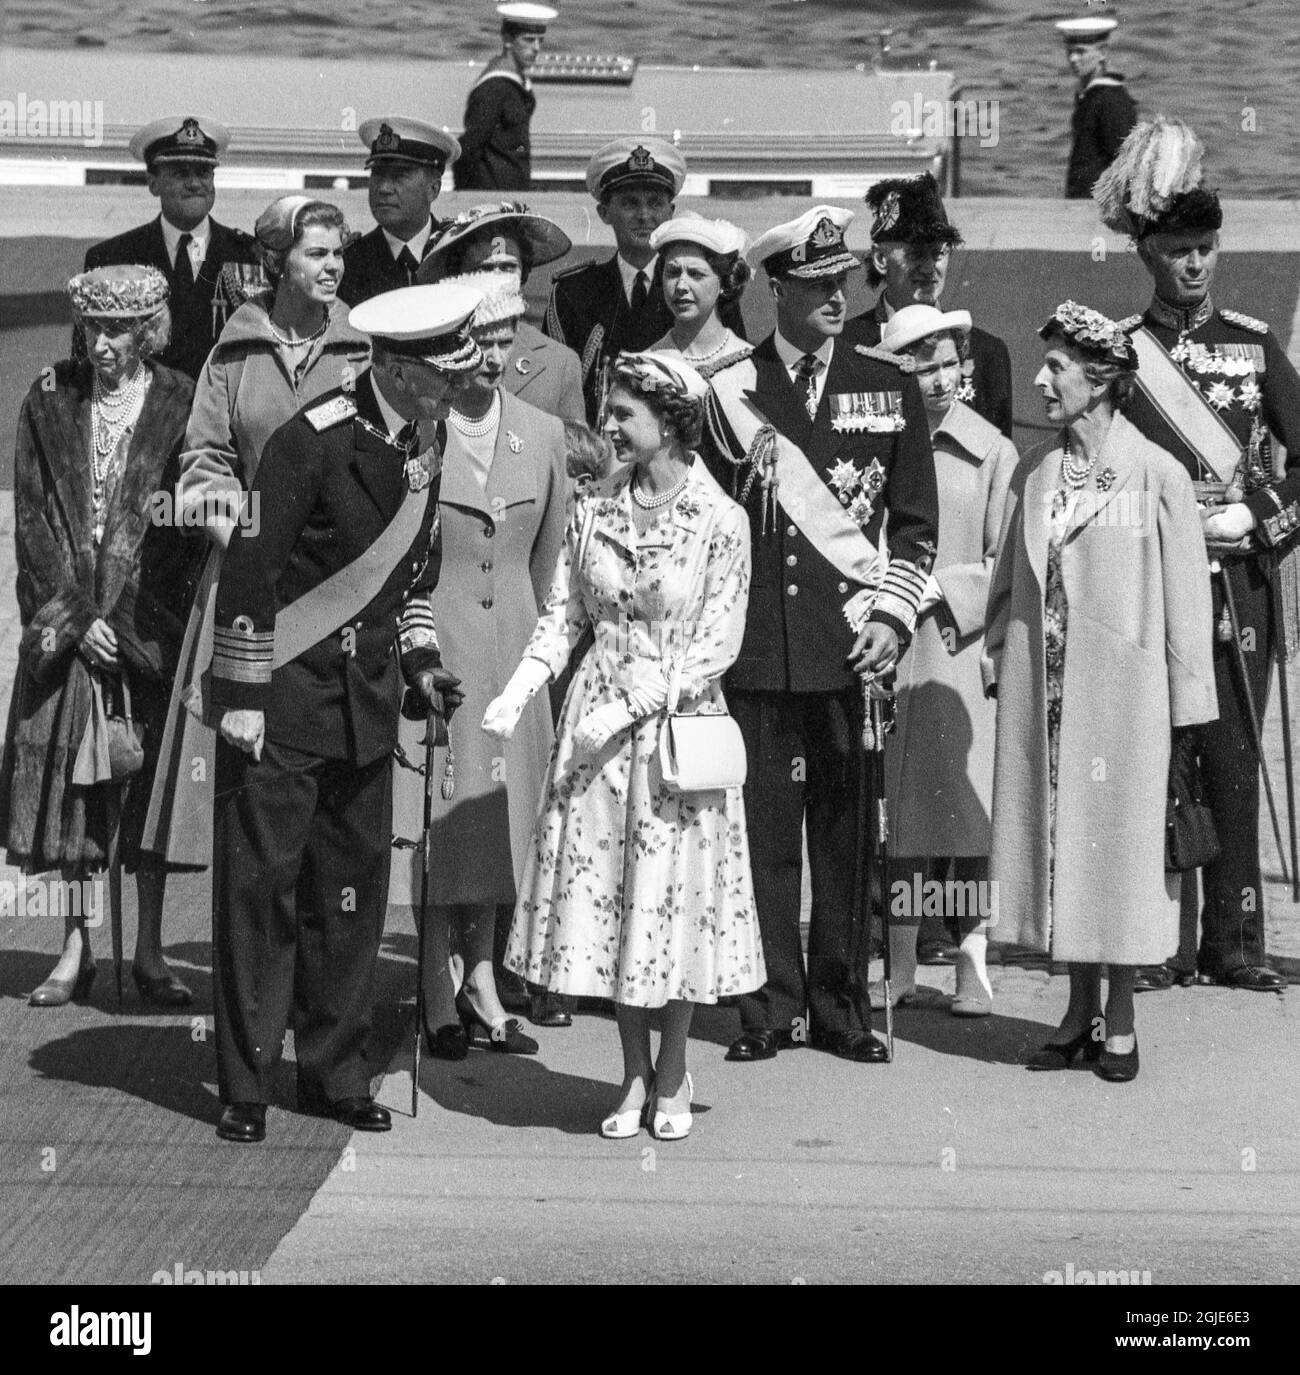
<point x="1092" y="333"/>
<point x="543" y="240"/>
<point x="428" y="323"/>
<point x="906" y="326"/>
<point x="124" y="291"/>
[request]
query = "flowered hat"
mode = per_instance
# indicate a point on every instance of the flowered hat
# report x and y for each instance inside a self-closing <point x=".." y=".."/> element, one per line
<point x="503" y="298"/>
<point x="122" y="292"/>
<point x="653" y="372"/>
<point x="542" y="240"/>
<point x="1092" y="333"/>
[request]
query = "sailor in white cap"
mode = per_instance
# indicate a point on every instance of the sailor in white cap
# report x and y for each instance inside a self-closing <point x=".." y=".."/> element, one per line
<point x="407" y="158"/>
<point x="180" y="154"/>
<point x="825" y="445"/>
<point x="618" y="306"/>
<point x="496" y="150"/>
<point x="323" y="613"/>
<point x="1104" y="111"/>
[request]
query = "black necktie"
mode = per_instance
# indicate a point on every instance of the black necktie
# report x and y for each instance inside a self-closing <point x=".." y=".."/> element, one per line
<point x="640" y="290"/>
<point x="807" y="368"/>
<point x="406" y="261"/>
<point x="184" y="268"/>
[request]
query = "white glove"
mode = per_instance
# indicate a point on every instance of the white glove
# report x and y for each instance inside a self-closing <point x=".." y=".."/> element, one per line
<point x="503" y="712"/>
<point x="931" y="597"/>
<point x="600" y="726"/>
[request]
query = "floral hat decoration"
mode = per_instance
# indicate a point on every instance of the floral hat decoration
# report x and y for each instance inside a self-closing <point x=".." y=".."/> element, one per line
<point x="653" y="372"/>
<point x="122" y="292"/>
<point x="1093" y="333"/>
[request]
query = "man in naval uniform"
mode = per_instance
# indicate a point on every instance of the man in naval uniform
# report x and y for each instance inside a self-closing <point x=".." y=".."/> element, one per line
<point x="323" y="611"/>
<point x="406" y="163"/>
<point x="184" y="242"/>
<point x="495" y="150"/>
<point x="826" y="445"/>
<point x="603" y="309"/>
<point x="1211" y="386"/>
<point x="911" y="247"/>
<point x="1104" y="112"/>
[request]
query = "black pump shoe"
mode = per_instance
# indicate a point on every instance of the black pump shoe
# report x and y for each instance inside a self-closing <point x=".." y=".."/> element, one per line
<point x="1080" y="1051"/>
<point x="447" y="1043"/>
<point x="506" y="1037"/>
<point x="1117" y="1068"/>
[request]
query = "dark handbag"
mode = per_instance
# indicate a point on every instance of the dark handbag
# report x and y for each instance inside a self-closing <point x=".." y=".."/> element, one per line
<point x="1191" y="841"/>
<point x="125" y="737"/>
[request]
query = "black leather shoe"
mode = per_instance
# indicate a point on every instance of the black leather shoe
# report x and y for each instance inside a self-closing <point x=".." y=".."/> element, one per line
<point x="936" y="952"/>
<point x="361" y="1114"/>
<point x="447" y="1043"/>
<point x="859" y="1046"/>
<point x="759" y="1045"/>
<point x="549" y="1009"/>
<point x="1082" y="1051"/>
<point x="167" y="991"/>
<point x="1254" y="977"/>
<point x="1116" y="1068"/>
<point x="243" y="1122"/>
<point x="1153" y="978"/>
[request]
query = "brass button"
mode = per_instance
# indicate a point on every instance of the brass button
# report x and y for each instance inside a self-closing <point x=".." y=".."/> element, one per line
<point x="792" y="590"/>
<point x="844" y="587"/>
<point x="792" y="530"/>
<point x="790" y="560"/>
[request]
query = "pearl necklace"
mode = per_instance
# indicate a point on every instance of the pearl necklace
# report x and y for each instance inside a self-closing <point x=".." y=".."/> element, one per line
<point x="476" y="429"/>
<point x="112" y="413"/>
<point x="663" y="499"/>
<point x="704" y="357"/>
<point x="1075" y="474"/>
<point x="285" y="342"/>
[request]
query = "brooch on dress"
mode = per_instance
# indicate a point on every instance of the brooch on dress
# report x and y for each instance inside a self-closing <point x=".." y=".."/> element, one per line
<point x="1104" y="479"/>
<point x="523" y="366"/>
<point x="514" y="441"/>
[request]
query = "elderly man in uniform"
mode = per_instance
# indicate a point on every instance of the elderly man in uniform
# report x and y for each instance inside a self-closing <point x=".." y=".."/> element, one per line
<point x="184" y="242"/>
<point x="510" y="239"/>
<point x="495" y="148"/>
<point x="1211" y="386"/>
<point x="826" y="444"/>
<point x="406" y="163"/>
<point x="911" y="246"/>
<point x="323" y="610"/>
<point x="603" y="309"/>
<point x="1104" y="112"/>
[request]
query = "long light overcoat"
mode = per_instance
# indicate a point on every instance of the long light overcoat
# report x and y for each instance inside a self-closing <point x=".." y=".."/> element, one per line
<point x="939" y="757"/>
<point x="1137" y="663"/>
<point x="499" y="550"/>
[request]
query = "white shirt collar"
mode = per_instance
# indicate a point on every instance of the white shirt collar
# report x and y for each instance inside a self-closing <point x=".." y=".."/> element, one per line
<point x="628" y="273"/>
<point x="394" y="421"/>
<point x="415" y="244"/>
<point x="199" y="236"/>
<point x="790" y="355"/>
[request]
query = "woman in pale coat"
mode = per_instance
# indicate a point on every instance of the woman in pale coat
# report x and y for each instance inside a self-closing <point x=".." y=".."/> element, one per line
<point x="278" y="351"/>
<point x="1098" y="647"/>
<point x="634" y="891"/>
<point x="502" y="506"/>
<point x="939" y="757"/>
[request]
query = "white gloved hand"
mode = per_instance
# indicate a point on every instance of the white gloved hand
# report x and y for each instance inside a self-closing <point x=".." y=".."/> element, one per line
<point x="598" y="727"/>
<point x="931" y="597"/>
<point x="503" y="712"/>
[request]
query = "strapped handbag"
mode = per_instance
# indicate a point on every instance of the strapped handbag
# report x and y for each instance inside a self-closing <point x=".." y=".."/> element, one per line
<point x="1191" y="841"/>
<point x="111" y="748"/>
<point x="699" y="752"/>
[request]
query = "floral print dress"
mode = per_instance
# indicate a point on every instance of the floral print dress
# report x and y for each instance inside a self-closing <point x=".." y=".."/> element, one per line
<point x="632" y="891"/>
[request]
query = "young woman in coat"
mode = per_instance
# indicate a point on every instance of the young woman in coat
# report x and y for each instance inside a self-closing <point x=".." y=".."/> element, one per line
<point x="103" y="587"/>
<point x="634" y="891"/>
<point x="939" y="757"/>
<point x="278" y="351"/>
<point x="1098" y="647"/>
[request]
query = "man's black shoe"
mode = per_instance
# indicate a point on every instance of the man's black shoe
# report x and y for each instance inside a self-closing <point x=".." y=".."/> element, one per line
<point x="936" y="952"/>
<point x="243" y="1122"/>
<point x="860" y="1046"/>
<point x="1153" y="978"/>
<point x="1254" y="977"/>
<point x="760" y="1045"/>
<point x="361" y="1114"/>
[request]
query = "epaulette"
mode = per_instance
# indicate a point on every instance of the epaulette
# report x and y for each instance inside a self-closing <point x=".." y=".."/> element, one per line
<point x="573" y="271"/>
<point x="331" y="412"/>
<point x="1235" y="317"/>
<point x="1129" y="323"/>
<point x="903" y="361"/>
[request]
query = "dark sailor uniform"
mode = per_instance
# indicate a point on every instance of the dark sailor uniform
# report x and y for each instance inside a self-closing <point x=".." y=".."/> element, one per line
<point x="495" y="152"/>
<point x="199" y="303"/>
<point x="303" y="835"/>
<point x="1240" y="368"/>
<point x="989" y="376"/>
<point x="1104" y="112"/>
<point x="589" y="311"/>
<point x="369" y="268"/>
<point x="799" y="705"/>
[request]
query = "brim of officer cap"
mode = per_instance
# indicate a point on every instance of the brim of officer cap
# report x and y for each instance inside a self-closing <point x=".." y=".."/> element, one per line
<point x="825" y="267"/>
<point x="411" y="322"/>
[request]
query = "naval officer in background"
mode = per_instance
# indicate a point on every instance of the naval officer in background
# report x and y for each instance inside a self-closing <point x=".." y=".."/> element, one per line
<point x="1104" y="112"/>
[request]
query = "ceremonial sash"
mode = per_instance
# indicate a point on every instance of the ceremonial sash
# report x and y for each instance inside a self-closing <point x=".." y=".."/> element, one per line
<point x="803" y="495"/>
<point x="1186" y="411"/>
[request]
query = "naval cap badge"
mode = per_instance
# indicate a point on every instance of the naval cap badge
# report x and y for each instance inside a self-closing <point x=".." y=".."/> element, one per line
<point x="387" y="141"/>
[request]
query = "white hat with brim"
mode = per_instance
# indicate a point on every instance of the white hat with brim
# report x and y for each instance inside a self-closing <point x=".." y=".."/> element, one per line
<point x="720" y="236"/>
<point x="543" y="239"/>
<point x="395" y="138"/>
<point x="1080" y="33"/>
<point x="633" y="161"/>
<point x="810" y="247"/>
<point x="905" y="327"/>
<point x="180" y="138"/>
<point x="427" y="323"/>
<point x="530" y="18"/>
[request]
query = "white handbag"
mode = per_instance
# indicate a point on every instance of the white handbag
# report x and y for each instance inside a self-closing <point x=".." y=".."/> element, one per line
<point x="699" y="752"/>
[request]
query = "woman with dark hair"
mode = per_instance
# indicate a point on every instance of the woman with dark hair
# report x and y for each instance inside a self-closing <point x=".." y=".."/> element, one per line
<point x="103" y="587"/>
<point x="704" y="269"/>
<point x="280" y="350"/>
<point x="1098" y="649"/>
<point x="660" y="912"/>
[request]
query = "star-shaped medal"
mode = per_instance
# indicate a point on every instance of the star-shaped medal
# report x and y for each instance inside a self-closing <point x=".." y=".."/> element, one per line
<point x="1219" y="395"/>
<point x="1248" y="394"/>
<point x="844" y="476"/>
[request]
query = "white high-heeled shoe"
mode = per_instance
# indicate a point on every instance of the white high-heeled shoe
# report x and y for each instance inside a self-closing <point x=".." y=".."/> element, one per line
<point x="618" y="1126"/>
<point x="674" y="1126"/>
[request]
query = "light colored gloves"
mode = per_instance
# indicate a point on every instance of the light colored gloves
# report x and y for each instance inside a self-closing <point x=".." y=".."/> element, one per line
<point x="597" y="728"/>
<point x="931" y="597"/>
<point x="503" y="713"/>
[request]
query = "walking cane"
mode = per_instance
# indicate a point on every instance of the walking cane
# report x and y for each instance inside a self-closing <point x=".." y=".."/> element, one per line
<point x="1284" y="698"/>
<point x="113" y="809"/>
<point x="877" y="726"/>
<point x="434" y="727"/>
<point x="1252" y="718"/>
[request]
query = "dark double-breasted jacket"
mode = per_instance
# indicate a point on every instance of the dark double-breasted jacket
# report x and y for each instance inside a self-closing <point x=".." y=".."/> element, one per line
<point x="199" y="313"/>
<point x="326" y="495"/>
<point x="1104" y="112"/>
<point x="797" y="637"/>
<point x="496" y="149"/>
<point x="369" y="268"/>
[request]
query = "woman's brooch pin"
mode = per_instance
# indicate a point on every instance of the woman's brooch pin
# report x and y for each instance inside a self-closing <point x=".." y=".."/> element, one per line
<point x="1104" y="479"/>
<point x="514" y="441"/>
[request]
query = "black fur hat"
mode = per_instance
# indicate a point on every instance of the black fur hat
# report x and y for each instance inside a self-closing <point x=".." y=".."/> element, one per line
<point x="910" y="210"/>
